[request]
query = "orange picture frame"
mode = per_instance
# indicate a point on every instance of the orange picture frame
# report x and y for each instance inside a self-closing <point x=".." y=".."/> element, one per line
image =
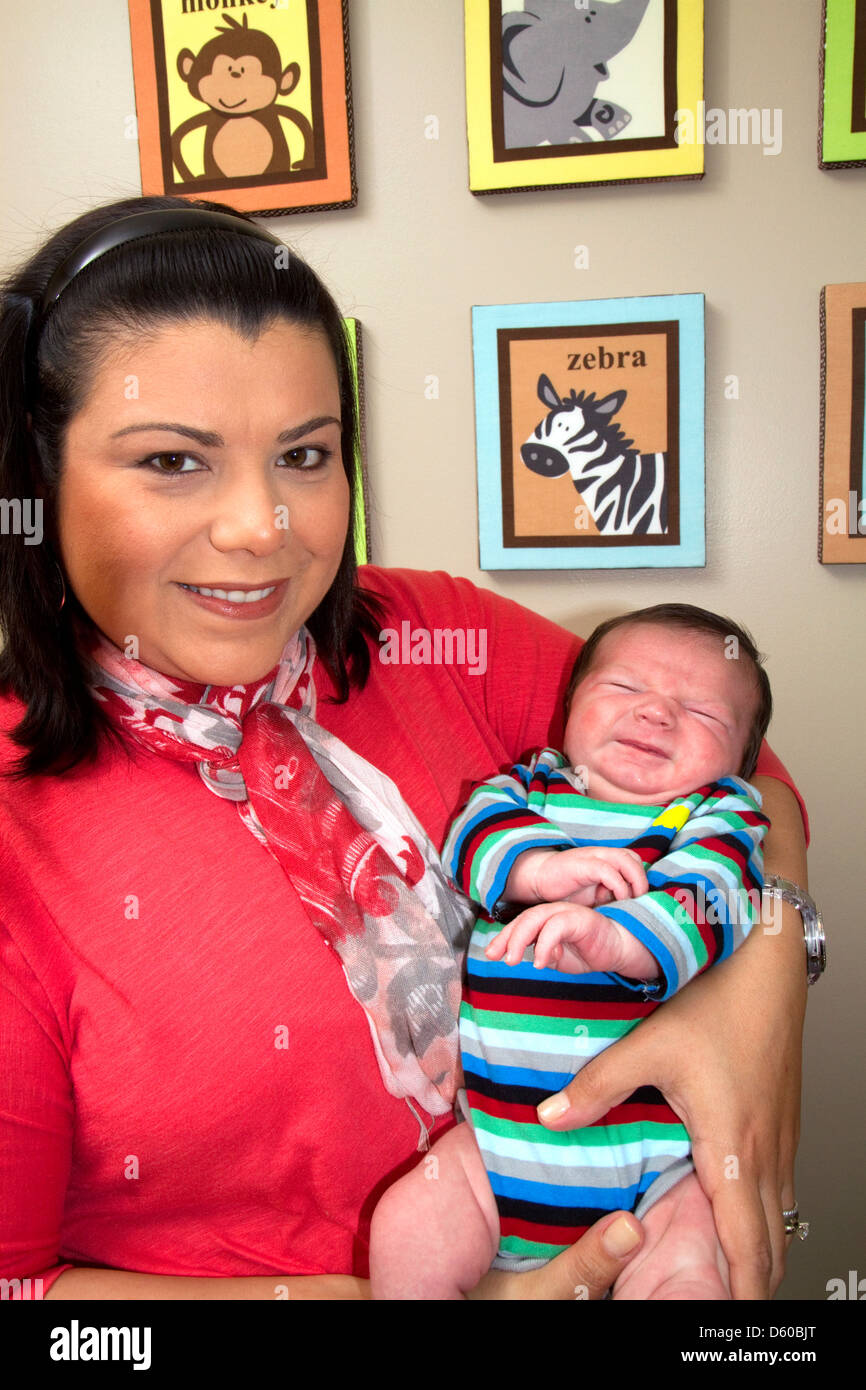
<point x="289" y="148"/>
<point x="842" y="490"/>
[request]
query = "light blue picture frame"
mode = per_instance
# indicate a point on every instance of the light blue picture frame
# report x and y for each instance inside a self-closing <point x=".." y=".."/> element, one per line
<point x="680" y="318"/>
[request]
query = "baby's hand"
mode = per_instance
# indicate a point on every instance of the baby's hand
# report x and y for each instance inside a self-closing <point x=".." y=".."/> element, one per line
<point x="575" y="939"/>
<point x="590" y="876"/>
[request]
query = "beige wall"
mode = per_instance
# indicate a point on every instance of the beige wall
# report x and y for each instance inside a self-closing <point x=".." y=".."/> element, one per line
<point x="758" y="236"/>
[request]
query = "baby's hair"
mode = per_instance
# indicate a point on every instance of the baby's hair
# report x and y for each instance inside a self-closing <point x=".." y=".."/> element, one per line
<point x="690" y="619"/>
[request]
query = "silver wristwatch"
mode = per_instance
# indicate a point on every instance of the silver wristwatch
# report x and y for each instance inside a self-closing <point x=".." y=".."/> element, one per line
<point x="813" y="926"/>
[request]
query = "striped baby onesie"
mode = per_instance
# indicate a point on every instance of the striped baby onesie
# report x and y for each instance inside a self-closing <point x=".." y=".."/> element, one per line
<point x="525" y="1032"/>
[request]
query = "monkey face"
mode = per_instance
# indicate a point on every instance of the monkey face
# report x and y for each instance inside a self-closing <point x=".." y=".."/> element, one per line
<point x="237" y="85"/>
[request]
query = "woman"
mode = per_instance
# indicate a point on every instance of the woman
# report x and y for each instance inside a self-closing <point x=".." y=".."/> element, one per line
<point x="223" y="1049"/>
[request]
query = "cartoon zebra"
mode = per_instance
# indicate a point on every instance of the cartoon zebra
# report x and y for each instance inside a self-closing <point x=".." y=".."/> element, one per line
<point x="626" y="492"/>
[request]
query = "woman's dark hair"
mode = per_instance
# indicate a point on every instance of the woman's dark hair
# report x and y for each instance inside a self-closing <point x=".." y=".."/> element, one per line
<point x="690" y="619"/>
<point x="177" y="276"/>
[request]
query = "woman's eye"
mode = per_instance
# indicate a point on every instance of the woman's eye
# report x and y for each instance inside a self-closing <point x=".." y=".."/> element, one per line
<point x="307" y="457"/>
<point x="171" y="463"/>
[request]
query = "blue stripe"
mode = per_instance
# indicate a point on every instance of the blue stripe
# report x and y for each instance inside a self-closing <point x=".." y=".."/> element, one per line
<point x="525" y="970"/>
<point x="543" y="1194"/>
<point x="517" y="1076"/>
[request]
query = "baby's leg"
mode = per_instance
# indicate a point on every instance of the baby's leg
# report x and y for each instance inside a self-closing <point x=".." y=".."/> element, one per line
<point x="435" y="1232"/>
<point x="682" y="1257"/>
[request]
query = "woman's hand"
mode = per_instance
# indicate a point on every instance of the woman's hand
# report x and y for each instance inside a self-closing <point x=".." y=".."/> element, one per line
<point x="725" y="1052"/>
<point x="585" y="1271"/>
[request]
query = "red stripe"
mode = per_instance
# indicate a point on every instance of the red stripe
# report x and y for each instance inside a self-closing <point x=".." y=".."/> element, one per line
<point x="542" y="1235"/>
<point x="486" y="1002"/>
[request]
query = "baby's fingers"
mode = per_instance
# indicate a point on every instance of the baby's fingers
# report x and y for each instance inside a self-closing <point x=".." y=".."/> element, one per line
<point x="520" y="933"/>
<point x="496" y="947"/>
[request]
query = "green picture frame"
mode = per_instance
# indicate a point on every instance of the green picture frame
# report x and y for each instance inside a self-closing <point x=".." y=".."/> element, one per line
<point x="842" y="143"/>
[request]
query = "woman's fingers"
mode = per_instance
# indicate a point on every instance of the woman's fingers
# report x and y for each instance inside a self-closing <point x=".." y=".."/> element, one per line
<point x="585" y="1271"/>
<point x="741" y="1218"/>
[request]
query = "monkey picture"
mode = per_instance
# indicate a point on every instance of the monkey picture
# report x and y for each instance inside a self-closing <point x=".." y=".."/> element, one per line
<point x="239" y="75"/>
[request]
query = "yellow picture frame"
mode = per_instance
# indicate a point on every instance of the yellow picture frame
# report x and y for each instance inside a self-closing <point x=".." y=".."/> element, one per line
<point x="610" y="144"/>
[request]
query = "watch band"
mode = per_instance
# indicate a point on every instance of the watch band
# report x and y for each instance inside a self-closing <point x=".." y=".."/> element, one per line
<point x="813" y="924"/>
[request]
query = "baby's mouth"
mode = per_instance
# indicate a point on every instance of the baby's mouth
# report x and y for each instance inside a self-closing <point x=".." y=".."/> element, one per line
<point x="648" y="748"/>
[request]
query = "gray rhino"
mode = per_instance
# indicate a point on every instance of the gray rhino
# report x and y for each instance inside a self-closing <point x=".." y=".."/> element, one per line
<point x="554" y="54"/>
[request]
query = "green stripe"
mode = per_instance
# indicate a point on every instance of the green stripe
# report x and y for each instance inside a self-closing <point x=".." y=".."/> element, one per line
<point x="554" y="1027"/>
<point x="682" y="922"/>
<point x="514" y="1245"/>
<point x="592" y="1136"/>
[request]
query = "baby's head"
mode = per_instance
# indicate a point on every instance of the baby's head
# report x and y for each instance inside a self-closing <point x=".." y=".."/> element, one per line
<point x="664" y="700"/>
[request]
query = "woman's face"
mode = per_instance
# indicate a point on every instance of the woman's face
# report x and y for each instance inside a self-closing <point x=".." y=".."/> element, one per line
<point x="204" y="461"/>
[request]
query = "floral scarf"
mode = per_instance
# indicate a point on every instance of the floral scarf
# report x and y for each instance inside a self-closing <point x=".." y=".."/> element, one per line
<point x="359" y="860"/>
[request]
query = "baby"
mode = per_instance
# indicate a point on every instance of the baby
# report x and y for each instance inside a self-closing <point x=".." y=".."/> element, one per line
<point x="642" y="856"/>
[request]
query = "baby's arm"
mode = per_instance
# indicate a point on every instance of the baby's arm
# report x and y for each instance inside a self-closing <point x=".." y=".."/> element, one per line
<point x="496" y="826"/>
<point x="702" y="898"/>
<point x="500" y="849"/>
<point x="705" y="892"/>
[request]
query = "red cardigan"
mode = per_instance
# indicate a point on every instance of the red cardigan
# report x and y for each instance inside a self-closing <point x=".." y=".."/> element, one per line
<point x="152" y="955"/>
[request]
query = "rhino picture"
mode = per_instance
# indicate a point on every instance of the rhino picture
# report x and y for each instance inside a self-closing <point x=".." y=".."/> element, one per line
<point x="554" y="55"/>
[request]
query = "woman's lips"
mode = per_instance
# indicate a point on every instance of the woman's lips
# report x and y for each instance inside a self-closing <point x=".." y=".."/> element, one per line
<point x="243" y="609"/>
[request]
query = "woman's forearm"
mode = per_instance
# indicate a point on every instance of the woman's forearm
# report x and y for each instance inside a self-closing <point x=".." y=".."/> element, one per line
<point x="122" y="1284"/>
<point x="781" y="941"/>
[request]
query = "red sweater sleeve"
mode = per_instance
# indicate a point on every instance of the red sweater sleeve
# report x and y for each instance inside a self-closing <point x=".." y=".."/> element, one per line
<point x="771" y="766"/>
<point x="36" y="1121"/>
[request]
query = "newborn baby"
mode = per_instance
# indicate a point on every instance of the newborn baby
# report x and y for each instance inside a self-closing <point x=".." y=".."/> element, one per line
<point x="640" y="852"/>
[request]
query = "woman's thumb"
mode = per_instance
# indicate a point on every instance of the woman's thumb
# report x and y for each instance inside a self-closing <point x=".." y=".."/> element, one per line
<point x="606" y="1081"/>
<point x="588" y="1269"/>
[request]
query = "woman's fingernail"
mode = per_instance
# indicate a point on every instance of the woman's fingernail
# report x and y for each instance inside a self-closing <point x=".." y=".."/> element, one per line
<point x="620" y="1238"/>
<point x="553" y="1108"/>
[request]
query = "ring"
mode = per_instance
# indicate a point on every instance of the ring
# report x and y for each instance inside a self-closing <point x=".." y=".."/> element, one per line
<point x="793" y="1225"/>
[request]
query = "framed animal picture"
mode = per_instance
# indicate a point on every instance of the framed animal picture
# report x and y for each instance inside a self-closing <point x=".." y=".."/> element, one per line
<point x="843" y="85"/>
<point x="569" y="92"/>
<point x="246" y="106"/>
<point x="842" y="520"/>
<point x="590" y="433"/>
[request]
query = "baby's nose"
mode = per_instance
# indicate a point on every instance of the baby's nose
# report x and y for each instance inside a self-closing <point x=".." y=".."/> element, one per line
<point x="657" y="708"/>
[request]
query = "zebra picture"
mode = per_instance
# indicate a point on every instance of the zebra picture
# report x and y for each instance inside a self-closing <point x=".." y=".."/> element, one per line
<point x="625" y="492"/>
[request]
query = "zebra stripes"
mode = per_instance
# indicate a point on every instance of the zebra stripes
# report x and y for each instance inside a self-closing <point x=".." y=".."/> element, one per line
<point x="624" y="491"/>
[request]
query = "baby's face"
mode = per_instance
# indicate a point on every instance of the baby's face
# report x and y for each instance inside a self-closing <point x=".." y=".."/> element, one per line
<point x="661" y="712"/>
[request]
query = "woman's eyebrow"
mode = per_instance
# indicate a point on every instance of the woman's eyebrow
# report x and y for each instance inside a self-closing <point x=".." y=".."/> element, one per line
<point x="216" y="441"/>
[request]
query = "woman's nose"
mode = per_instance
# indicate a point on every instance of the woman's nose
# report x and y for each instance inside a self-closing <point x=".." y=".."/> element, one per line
<point x="249" y="516"/>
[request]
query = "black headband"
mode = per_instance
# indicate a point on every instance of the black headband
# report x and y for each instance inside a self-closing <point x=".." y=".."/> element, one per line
<point x="141" y="224"/>
<point x="131" y="228"/>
